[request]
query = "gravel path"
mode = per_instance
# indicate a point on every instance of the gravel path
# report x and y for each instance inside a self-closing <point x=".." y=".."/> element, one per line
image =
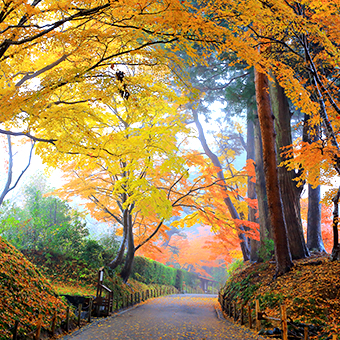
<point x="174" y="317"/>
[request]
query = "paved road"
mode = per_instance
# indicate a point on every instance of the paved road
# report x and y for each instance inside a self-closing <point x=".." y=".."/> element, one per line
<point x="173" y="317"/>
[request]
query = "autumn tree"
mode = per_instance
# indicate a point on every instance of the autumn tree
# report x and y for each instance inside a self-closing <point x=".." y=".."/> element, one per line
<point x="296" y="42"/>
<point x="51" y="49"/>
<point x="60" y="68"/>
<point x="130" y="179"/>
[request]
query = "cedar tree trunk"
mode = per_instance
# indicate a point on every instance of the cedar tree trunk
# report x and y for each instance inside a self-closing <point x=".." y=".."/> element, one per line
<point x="290" y="193"/>
<point x="282" y="251"/>
<point x="265" y="224"/>
<point x="314" y="236"/>
<point x="254" y="244"/>
<point x="336" y="246"/>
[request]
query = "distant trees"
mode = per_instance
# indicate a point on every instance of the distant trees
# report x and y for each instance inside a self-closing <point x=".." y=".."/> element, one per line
<point x="43" y="222"/>
<point x="48" y="225"/>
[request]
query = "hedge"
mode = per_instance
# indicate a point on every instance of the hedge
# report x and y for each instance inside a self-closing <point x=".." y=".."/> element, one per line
<point x="150" y="271"/>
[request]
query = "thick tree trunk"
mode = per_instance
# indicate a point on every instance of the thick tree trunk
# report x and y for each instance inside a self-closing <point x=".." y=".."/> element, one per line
<point x="130" y="253"/>
<point x="290" y="193"/>
<point x="118" y="260"/>
<point x="282" y="251"/>
<point x="254" y="244"/>
<point x="232" y="210"/>
<point x="314" y="236"/>
<point x="265" y="224"/>
<point x="336" y="246"/>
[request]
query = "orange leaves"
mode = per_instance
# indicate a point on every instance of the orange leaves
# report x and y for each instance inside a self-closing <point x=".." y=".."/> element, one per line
<point x="314" y="160"/>
<point x="249" y="169"/>
<point x="24" y="293"/>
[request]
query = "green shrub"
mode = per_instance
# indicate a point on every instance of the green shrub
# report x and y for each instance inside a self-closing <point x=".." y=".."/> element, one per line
<point x="266" y="250"/>
<point x="149" y="271"/>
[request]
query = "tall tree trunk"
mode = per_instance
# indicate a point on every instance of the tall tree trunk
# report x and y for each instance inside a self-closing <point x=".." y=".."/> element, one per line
<point x="130" y="252"/>
<point x="336" y="246"/>
<point x="232" y="210"/>
<point x="254" y="244"/>
<point x="314" y="236"/>
<point x="282" y="252"/>
<point x="265" y="224"/>
<point x="290" y="193"/>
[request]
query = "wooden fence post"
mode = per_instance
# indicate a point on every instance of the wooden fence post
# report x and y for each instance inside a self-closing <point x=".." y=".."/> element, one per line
<point x="143" y="295"/>
<point x="54" y="322"/>
<point x="37" y="334"/>
<point x="80" y="307"/>
<point x="284" y="322"/>
<point x="132" y="299"/>
<point x="250" y="321"/>
<point x="67" y="319"/>
<point x="90" y="310"/>
<point x="305" y="333"/>
<point x="235" y="314"/>
<point x="242" y="314"/>
<point x="257" y="312"/>
<point x="15" y="330"/>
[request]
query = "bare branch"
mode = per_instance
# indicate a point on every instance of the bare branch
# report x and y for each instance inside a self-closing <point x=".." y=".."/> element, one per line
<point x="8" y="187"/>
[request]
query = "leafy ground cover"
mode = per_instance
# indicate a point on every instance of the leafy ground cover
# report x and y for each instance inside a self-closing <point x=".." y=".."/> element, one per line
<point x="25" y="293"/>
<point x="311" y="290"/>
<point x="30" y="284"/>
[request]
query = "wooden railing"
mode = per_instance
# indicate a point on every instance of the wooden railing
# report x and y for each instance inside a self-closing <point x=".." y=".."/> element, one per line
<point x="35" y="334"/>
<point x="115" y="303"/>
<point x="242" y="312"/>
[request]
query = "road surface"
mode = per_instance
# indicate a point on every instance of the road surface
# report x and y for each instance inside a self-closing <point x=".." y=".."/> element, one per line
<point x="173" y="317"/>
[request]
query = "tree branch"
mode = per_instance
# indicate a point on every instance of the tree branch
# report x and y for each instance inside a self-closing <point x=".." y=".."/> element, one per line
<point x="29" y="76"/>
<point x="28" y="135"/>
<point x="151" y="236"/>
